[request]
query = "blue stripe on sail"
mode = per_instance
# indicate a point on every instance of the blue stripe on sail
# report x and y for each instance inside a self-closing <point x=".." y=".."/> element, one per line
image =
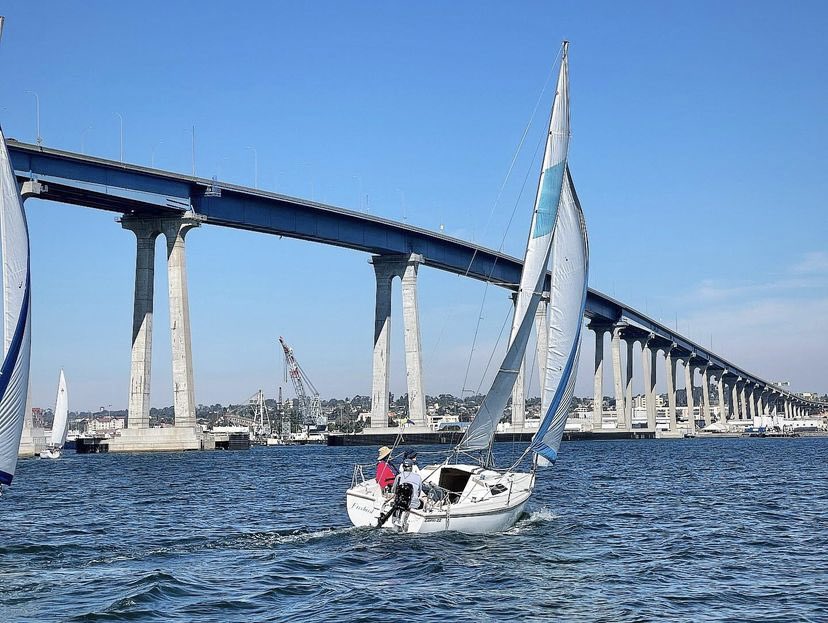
<point x="13" y="355"/>
<point x="546" y="452"/>
<point x="550" y="196"/>
<point x="539" y="446"/>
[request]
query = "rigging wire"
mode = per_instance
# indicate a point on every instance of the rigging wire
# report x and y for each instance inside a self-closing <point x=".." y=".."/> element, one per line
<point x="514" y="158"/>
<point x="494" y="350"/>
<point x="511" y="218"/>
<point x="502" y="242"/>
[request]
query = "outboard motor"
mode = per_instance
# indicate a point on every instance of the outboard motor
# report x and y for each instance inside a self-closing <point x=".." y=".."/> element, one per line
<point x="402" y="502"/>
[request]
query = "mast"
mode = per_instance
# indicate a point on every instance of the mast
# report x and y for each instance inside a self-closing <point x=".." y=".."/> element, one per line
<point x="480" y="433"/>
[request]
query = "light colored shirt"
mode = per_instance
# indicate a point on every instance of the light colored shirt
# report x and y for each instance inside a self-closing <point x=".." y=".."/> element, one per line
<point x="416" y="482"/>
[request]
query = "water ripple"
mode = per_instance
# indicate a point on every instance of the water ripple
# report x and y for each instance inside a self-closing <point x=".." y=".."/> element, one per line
<point x="693" y="530"/>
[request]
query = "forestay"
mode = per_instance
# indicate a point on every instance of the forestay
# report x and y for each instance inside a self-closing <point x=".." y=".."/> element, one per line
<point x="480" y="432"/>
<point x="14" y="371"/>
<point x="569" y="266"/>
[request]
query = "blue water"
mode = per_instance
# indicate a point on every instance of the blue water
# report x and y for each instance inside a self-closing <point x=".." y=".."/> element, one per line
<point x="686" y="530"/>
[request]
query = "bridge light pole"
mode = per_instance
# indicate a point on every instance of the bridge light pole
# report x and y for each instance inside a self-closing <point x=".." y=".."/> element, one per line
<point x="255" y="166"/>
<point x="83" y="138"/>
<point x="359" y="196"/>
<point x="37" y="116"/>
<point x="152" y="152"/>
<point x="121" y="120"/>
<point x="278" y="180"/>
<point x="402" y="204"/>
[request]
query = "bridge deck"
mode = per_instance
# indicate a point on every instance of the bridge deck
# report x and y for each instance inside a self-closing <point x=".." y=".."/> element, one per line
<point x="135" y="190"/>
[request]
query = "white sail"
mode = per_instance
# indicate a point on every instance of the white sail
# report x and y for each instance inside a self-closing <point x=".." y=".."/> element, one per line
<point x="480" y="432"/>
<point x="569" y="265"/>
<point x="14" y="371"/>
<point x="60" y="425"/>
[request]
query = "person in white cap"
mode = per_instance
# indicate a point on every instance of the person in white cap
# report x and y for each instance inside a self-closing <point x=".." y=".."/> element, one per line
<point x="408" y="477"/>
<point x="386" y="472"/>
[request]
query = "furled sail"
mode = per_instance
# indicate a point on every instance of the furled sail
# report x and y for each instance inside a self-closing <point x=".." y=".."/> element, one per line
<point x="569" y="265"/>
<point x="14" y="370"/>
<point x="60" y="425"/>
<point x="480" y="432"/>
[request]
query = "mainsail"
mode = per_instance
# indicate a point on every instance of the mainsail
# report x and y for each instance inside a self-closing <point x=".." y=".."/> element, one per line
<point x="14" y="370"/>
<point x="60" y="424"/>
<point x="480" y="432"/>
<point x="569" y="265"/>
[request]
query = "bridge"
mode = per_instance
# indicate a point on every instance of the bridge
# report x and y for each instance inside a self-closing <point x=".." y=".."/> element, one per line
<point x="154" y="202"/>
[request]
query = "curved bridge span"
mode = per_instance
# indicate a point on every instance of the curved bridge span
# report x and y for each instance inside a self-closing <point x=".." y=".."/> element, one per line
<point x="153" y="202"/>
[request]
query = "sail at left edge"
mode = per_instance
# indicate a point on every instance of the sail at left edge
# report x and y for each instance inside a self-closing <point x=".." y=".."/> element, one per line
<point x="14" y="370"/>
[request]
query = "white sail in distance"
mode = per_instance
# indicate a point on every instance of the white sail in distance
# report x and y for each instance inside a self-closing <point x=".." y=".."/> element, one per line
<point x="481" y="431"/>
<point x="14" y="370"/>
<point x="569" y="266"/>
<point x="60" y="425"/>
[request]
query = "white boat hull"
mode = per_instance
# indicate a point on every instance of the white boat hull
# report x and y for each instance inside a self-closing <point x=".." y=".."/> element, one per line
<point x="50" y="454"/>
<point x="476" y="510"/>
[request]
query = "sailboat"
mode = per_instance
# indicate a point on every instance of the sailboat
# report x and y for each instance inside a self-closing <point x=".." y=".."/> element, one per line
<point x="60" y="425"/>
<point x="16" y="339"/>
<point x="479" y="497"/>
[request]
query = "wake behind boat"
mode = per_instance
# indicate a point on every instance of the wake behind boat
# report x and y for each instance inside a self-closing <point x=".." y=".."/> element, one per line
<point x="478" y="497"/>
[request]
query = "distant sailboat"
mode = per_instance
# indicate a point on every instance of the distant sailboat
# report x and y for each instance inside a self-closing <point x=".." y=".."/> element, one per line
<point x="60" y="425"/>
<point x="16" y="344"/>
<point x="482" y="498"/>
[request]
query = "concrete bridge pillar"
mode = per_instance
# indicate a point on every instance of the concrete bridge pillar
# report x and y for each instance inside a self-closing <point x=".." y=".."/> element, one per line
<point x="629" y="386"/>
<point x="752" y="400"/>
<point x="648" y="365"/>
<point x="413" y="351"/>
<point x="542" y="345"/>
<point x="670" y="369"/>
<point x="743" y="411"/>
<point x="688" y="390"/>
<point x="519" y="389"/>
<point x="175" y="229"/>
<point x="146" y="231"/>
<point x="721" y="394"/>
<point x="542" y="331"/>
<point x="743" y="402"/>
<point x="598" y="379"/>
<point x="617" y="377"/>
<point x="734" y="400"/>
<point x="706" y="396"/>
<point x="384" y="272"/>
<point x="385" y="269"/>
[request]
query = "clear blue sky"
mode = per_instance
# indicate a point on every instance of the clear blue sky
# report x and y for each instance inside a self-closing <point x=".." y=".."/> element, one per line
<point x="698" y="151"/>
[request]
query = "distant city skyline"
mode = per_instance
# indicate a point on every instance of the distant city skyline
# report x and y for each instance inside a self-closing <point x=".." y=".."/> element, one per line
<point x="697" y="152"/>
